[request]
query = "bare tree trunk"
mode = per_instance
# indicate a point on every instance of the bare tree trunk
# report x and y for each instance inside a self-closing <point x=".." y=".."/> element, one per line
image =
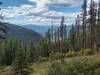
<point x="93" y="26"/>
<point x="84" y="9"/>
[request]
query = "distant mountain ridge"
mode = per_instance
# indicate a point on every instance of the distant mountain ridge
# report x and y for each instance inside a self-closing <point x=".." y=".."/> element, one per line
<point x="42" y="29"/>
<point x="21" y="33"/>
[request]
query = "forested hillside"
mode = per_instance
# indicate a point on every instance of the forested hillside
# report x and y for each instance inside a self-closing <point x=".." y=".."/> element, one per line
<point x="14" y="31"/>
<point x="63" y="51"/>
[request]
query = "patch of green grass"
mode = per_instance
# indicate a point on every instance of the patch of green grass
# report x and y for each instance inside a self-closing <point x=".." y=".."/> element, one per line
<point x="41" y="68"/>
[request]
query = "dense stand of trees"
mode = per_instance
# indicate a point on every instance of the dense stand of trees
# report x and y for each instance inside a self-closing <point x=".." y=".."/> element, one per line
<point x="84" y="34"/>
<point x="18" y="54"/>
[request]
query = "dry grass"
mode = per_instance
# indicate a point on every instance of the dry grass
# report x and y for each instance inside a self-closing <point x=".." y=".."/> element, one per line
<point x="97" y="57"/>
<point x="6" y="71"/>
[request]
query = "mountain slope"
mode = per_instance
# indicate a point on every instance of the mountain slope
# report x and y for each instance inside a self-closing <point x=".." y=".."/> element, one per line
<point x="21" y="33"/>
<point x="40" y="29"/>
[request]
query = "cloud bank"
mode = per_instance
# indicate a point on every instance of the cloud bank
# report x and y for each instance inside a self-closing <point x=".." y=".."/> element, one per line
<point x="40" y="14"/>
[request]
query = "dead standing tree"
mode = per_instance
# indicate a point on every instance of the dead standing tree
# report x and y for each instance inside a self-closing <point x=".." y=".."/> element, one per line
<point x="92" y="25"/>
<point x="99" y="11"/>
<point x="77" y="33"/>
<point x="84" y="13"/>
<point x="52" y="31"/>
<point x="98" y="24"/>
<point x="62" y="32"/>
<point x="62" y="28"/>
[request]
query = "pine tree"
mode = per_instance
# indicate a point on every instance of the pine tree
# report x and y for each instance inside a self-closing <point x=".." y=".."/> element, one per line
<point x="62" y="29"/>
<point x="72" y="38"/>
<point x="48" y="35"/>
<point x="55" y="36"/>
<point x="8" y="50"/>
<point x="84" y="10"/>
<point x="21" y="63"/>
<point x="2" y="53"/>
<point x="98" y="11"/>
<point x="52" y="32"/>
<point x="32" y="52"/>
<point x="44" y="48"/>
<point x="98" y="25"/>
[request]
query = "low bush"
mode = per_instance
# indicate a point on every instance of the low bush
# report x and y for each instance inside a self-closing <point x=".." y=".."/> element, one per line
<point x="76" y="67"/>
<point x="97" y="71"/>
<point x="71" y="54"/>
<point x="56" y="56"/>
<point x="85" y="52"/>
<point x="42" y="59"/>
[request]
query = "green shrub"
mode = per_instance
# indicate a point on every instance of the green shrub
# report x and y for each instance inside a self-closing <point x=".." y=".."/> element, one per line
<point x="97" y="71"/>
<point x="1" y="67"/>
<point x="57" y="69"/>
<point x="86" y="52"/>
<point x="56" y="56"/>
<point x="77" y="67"/>
<point x="97" y="50"/>
<point x="42" y="59"/>
<point x="71" y="54"/>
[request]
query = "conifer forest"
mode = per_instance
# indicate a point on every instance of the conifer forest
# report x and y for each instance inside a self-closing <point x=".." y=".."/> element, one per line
<point x="64" y="50"/>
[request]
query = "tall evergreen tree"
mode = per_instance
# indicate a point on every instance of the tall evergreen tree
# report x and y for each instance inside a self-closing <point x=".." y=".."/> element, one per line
<point x="84" y="10"/>
<point x="98" y="25"/>
<point x="72" y="38"/>
<point x="21" y="63"/>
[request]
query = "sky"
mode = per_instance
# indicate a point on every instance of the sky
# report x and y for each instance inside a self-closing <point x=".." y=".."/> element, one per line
<point x="40" y="12"/>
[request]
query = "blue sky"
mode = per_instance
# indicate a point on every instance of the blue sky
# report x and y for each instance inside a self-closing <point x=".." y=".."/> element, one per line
<point x="40" y="12"/>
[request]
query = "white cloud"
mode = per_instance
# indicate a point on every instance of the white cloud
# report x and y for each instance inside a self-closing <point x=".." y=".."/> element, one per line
<point x="32" y="0"/>
<point x="23" y="10"/>
<point x="39" y="3"/>
<point x="57" y="2"/>
<point x="64" y="2"/>
<point x="40" y="15"/>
